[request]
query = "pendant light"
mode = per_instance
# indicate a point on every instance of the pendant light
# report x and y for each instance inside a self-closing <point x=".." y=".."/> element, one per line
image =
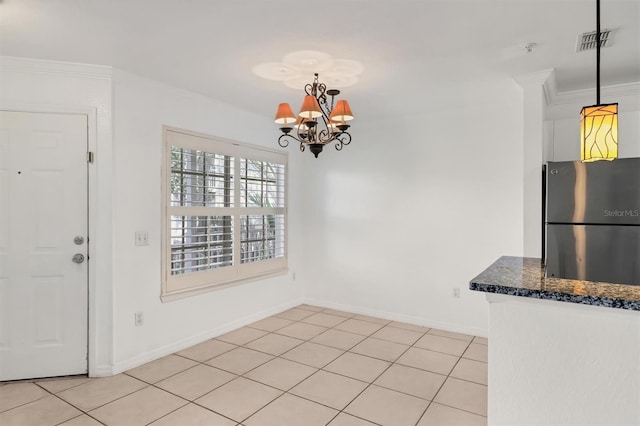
<point x="598" y="123"/>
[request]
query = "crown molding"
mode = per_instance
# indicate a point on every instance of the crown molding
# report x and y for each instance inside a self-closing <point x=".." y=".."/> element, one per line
<point x="568" y="104"/>
<point x="560" y="103"/>
<point x="536" y="79"/>
<point x="39" y="66"/>
<point x="550" y="88"/>
<point x="587" y="96"/>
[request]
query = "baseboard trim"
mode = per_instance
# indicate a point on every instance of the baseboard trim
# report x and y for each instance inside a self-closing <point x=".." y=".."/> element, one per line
<point x="409" y="319"/>
<point x="192" y="340"/>
<point x="101" y="371"/>
<point x="106" y="370"/>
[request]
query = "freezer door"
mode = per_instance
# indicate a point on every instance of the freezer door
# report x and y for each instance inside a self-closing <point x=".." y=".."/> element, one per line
<point x="606" y="253"/>
<point x="599" y="192"/>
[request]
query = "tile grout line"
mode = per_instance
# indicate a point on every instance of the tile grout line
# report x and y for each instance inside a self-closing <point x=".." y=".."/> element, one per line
<point x="372" y="381"/>
<point x="417" y="347"/>
<point x="435" y="395"/>
<point x="275" y="331"/>
<point x="82" y="412"/>
<point x="28" y="402"/>
<point x="286" y="392"/>
<point x="80" y="415"/>
<point x="443" y="383"/>
<point x="154" y="385"/>
<point x="318" y="369"/>
<point x="35" y="382"/>
<point x="188" y="403"/>
<point x="213" y="338"/>
<point x="248" y="371"/>
<point x="87" y="412"/>
<point x="65" y="401"/>
<point x="459" y="357"/>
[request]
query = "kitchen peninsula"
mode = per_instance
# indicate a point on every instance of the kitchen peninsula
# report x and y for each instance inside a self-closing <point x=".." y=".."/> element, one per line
<point x="560" y="351"/>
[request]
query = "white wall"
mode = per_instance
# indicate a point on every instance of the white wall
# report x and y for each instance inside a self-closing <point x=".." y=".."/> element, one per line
<point x="556" y="363"/>
<point x="413" y="208"/>
<point x="533" y="132"/>
<point x="141" y="108"/>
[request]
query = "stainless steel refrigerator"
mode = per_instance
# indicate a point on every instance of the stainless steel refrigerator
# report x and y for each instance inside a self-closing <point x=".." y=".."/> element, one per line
<point x="593" y="220"/>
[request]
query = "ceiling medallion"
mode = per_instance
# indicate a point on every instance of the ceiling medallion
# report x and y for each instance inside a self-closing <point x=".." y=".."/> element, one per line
<point x="296" y="67"/>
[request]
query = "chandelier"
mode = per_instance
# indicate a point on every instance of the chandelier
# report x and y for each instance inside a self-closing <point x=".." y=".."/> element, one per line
<point x="598" y="123"/>
<point x="319" y="121"/>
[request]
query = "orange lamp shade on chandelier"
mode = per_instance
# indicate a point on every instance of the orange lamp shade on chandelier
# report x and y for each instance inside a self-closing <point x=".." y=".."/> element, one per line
<point x="284" y="115"/>
<point x="341" y="112"/>
<point x="318" y="123"/>
<point x="310" y="108"/>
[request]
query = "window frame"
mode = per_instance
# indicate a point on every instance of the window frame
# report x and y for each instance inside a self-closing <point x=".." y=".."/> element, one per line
<point x="191" y="283"/>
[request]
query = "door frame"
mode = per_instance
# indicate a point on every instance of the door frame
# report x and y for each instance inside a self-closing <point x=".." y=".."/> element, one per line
<point x="92" y="191"/>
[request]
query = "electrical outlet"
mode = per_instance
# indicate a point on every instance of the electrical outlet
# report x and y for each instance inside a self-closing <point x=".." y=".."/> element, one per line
<point x="456" y="292"/>
<point x="142" y="238"/>
<point x="139" y="318"/>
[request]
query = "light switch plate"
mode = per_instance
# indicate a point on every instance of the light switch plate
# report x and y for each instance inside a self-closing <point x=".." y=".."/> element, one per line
<point x="142" y="238"/>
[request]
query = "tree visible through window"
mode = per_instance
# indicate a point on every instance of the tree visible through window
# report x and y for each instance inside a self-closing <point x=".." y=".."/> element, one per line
<point x="225" y="208"/>
<point x="259" y="186"/>
<point x="201" y="179"/>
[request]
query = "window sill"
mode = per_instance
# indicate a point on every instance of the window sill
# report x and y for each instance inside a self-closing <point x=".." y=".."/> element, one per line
<point x="182" y="294"/>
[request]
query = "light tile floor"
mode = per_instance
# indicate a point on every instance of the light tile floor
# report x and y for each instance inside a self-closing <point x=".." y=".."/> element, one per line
<point x="303" y="367"/>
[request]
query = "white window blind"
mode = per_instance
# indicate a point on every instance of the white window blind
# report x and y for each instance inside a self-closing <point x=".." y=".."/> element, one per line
<point x="224" y="213"/>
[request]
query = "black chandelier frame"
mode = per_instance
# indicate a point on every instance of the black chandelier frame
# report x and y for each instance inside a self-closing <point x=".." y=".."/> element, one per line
<point x="317" y="133"/>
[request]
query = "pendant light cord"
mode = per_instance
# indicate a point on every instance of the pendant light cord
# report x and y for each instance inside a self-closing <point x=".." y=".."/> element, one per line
<point x="597" y="52"/>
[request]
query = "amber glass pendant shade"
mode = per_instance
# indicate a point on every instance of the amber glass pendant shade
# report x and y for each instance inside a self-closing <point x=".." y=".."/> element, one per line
<point x="599" y="133"/>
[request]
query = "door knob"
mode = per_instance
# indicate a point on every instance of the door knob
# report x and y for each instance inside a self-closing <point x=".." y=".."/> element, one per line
<point x="79" y="239"/>
<point x="78" y="258"/>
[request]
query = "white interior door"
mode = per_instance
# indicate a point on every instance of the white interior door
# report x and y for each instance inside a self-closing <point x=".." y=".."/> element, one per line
<point x="43" y="207"/>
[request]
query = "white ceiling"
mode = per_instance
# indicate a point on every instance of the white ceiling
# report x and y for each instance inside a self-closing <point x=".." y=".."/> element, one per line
<point x="415" y="53"/>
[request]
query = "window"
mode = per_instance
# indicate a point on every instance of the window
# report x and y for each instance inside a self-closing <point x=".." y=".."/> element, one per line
<point x="224" y="213"/>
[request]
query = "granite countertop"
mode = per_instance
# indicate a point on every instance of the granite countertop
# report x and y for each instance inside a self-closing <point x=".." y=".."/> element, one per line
<point x="524" y="276"/>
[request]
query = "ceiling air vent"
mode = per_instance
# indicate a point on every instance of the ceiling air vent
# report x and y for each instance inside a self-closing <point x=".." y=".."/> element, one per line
<point x="587" y="41"/>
